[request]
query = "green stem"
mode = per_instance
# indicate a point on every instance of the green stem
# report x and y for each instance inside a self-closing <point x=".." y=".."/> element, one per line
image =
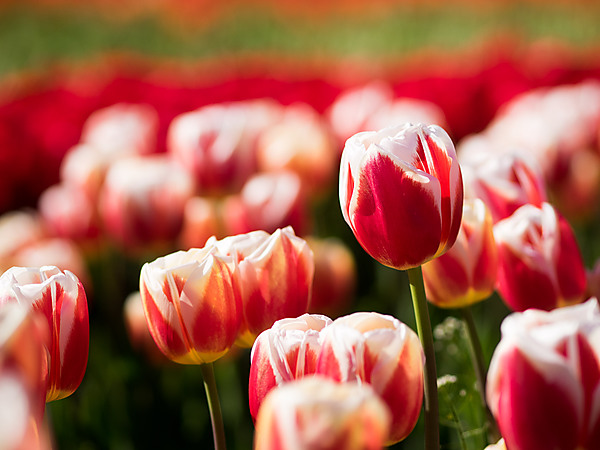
<point x="480" y="370"/>
<point x="214" y="406"/>
<point x="417" y="290"/>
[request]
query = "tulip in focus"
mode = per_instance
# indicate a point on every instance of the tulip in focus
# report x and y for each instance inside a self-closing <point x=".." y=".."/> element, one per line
<point x="192" y="305"/>
<point x="544" y="380"/>
<point x="59" y="297"/>
<point x="316" y="413"/>
<point x="539" y="262"/>
<point x="23" y="365"/>
<point x="274" y="273"/>
<point x="383" y="352"/>
<point x="466" y="273"/>
<point x="287" y="351"/>
<point x="401" y="193"/>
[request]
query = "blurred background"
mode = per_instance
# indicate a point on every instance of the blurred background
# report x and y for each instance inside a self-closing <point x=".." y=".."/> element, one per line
<point x="65" y="64"/>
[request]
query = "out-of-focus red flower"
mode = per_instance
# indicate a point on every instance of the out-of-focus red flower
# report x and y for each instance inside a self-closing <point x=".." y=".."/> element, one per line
<point x="84" y="168"/>
<point x="381" y="351"/>
<point x="201" y="220"/>
<point x="504" y="181"/>
<point x="318" y="413"/>
<point x="59" y="297"/>
<point x="544" y="379"/>
<point x="192" y="305"/>
<point x="467" y="272"/>
<point x="122" y="129"/>
<point x="302" y="143"/>
<point x="334" y="282"/>
<point x="401" y="193"/>
<point x="268" y="201"/>
<point x="23" y="367"/>
<point x="217" y="143"/>
<point x="138" y="331"/>
<point x="274" y="273"/>
<point x="18" y="229"/>
<point x="59" y="252"/>
<point x="287" y="351"/>
<point x="539" y="262"/>
<point x="67" y="212"/>
<point x="142" y="201"/>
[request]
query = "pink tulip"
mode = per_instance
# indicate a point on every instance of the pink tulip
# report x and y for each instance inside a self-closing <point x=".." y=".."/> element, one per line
<point x="401" y="193"/>
<point x="287" y="351"/>
<point x="544" y="380"/>
<point x="319" y="414"/>
<point x="466" y="273"/>
<point x="383" y="352"/>
<point x="60" y="298"/>
<point x="192" y="305"/>
<point x="540" y="264"/>
<point x="274" y="273"/>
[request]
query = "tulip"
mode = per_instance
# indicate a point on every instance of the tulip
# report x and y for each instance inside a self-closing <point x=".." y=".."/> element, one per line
<point x="497" y="446"/>
<point x="504" y="181"/>
<point x="143" y="199"/>
<point x="201" y="220"/>
<point x="466" y="273"/>
<point x="383" y="352"/>
<point x="287" y="351"/>
<point x="122" y="129"/>
<point x="401" y="193"/>
<point x="23" y="337"/>
<point x="268" y="201"/>
<point x="540" y="264"/>
<point x="59" y="297"/>
<point x="216" y="144"/>
<point x="18" y="229"/>
<point x="317" y="413"/>
<point x="335" y="276"/>
<point x="300" y="143"/>
<point x="192" y="305"/>
<point x="274" y="273"/>
<point x="544" y="379"/>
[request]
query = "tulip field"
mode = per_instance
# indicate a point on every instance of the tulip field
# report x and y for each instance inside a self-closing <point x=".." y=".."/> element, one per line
<point x="295" y="226"/>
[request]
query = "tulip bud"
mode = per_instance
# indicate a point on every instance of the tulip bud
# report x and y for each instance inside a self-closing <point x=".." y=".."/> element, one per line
<point x="540" y="265"/>
<point x="287" y="351"/>
<point x="60" y="298"/>
<point x="466" y="273"/>
<point x="192" y="305"/>
<point x="401" y="193"/>
<point x="383" y="352"/>
<point x="544" y="379"/>
<point x="274" y="273"/>
<point x="317" y="413"/>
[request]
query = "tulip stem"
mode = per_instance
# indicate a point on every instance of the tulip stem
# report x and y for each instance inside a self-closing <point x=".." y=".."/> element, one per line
<point x="417" y="290"/>
<point x="480" y="369"/>
<point x="214" y="406"/>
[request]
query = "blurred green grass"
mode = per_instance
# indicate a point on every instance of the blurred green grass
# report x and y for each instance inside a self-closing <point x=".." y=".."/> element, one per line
<point x="33" y="39"/>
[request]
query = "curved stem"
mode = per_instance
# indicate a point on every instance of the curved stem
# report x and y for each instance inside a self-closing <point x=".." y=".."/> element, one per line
<point x="480" y="369"/>
<point x="417" y="290"/>
<point x="214" y="406"/>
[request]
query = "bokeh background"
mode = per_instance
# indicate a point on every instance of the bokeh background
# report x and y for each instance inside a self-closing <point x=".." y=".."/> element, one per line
<point x="61" y="60"/>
